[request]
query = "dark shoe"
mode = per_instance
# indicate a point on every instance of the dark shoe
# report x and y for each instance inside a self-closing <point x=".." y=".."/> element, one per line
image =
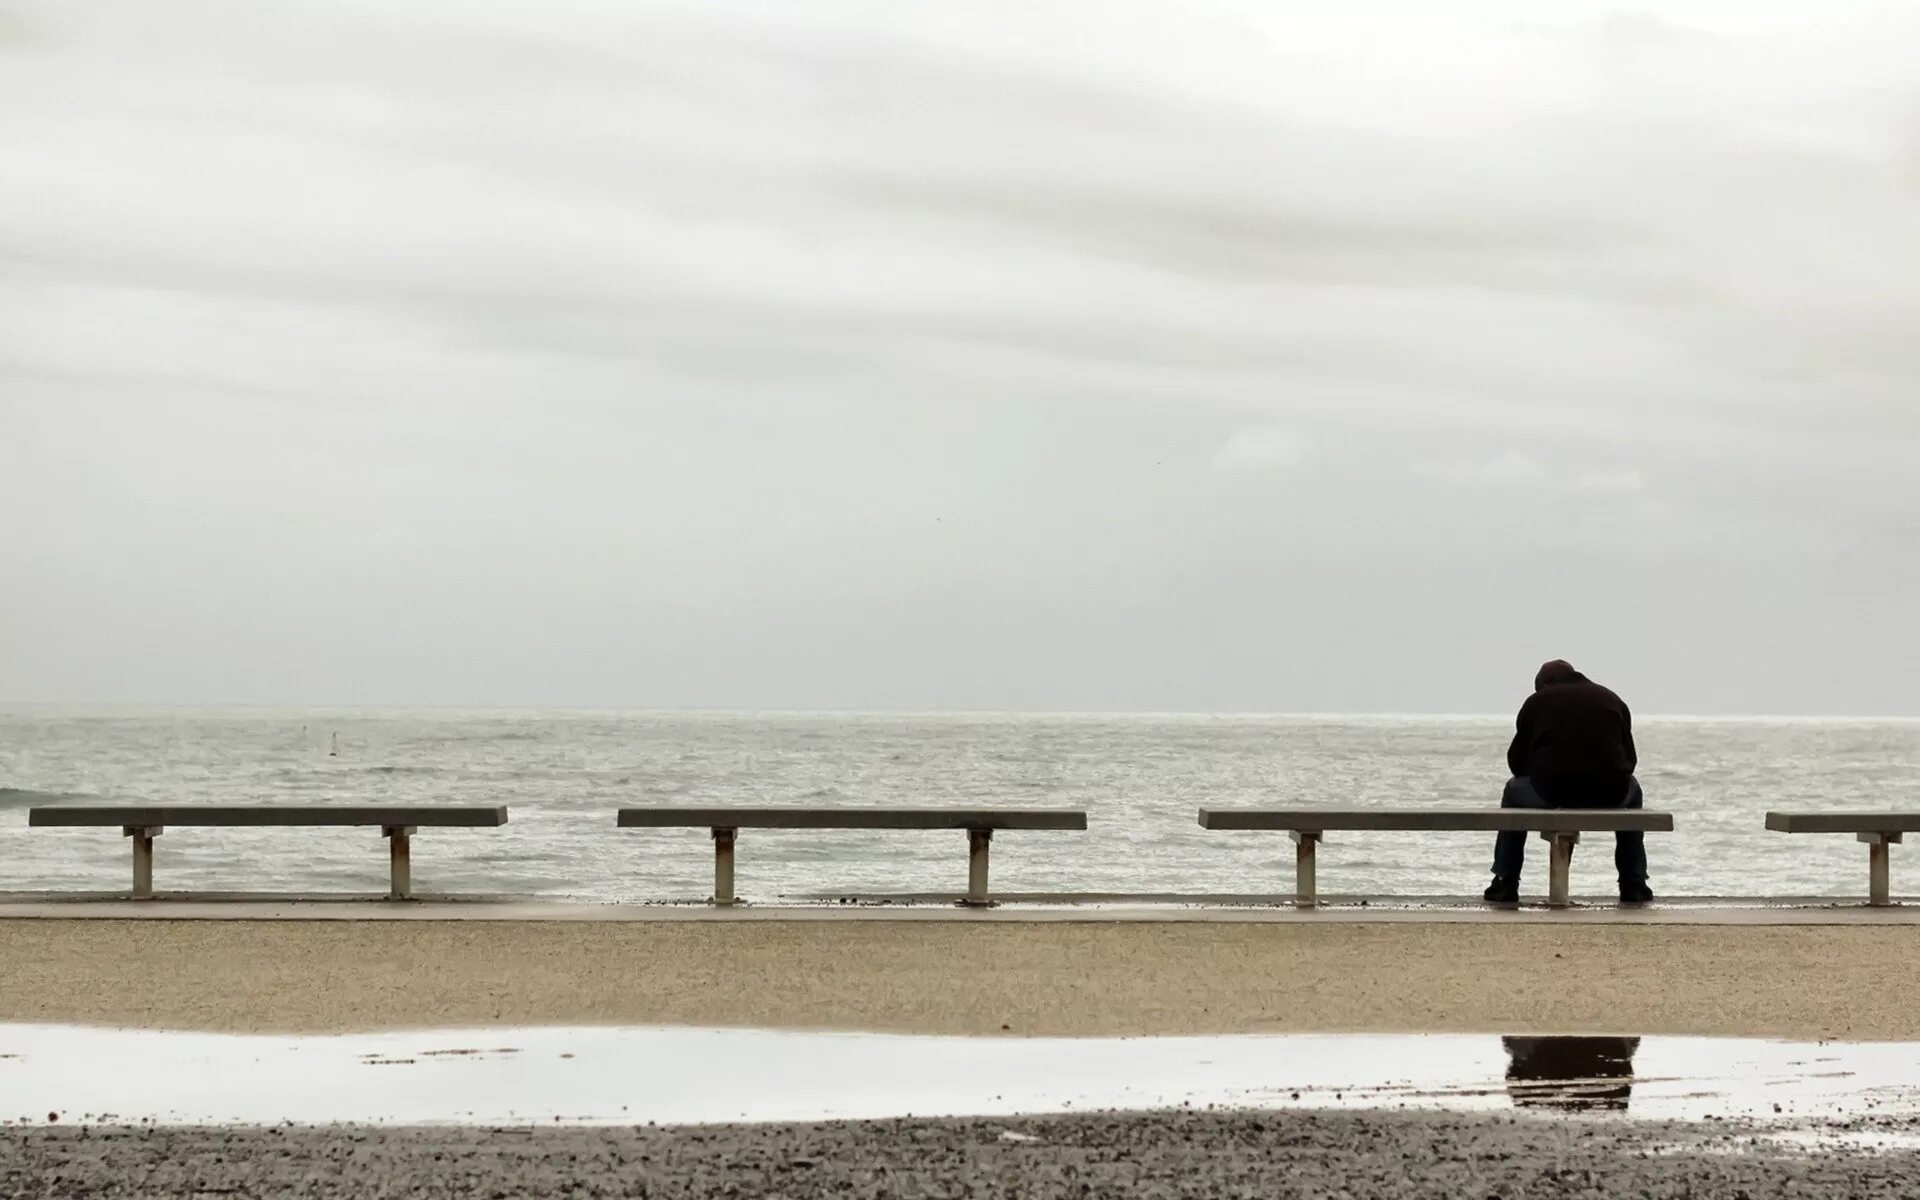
<point x="1505" y="889"/>
<point x="1635" y="891"/>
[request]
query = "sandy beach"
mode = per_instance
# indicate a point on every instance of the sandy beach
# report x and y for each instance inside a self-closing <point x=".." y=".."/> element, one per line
<point x="1051" y="978"/>
<point x="1151" y="1154"/>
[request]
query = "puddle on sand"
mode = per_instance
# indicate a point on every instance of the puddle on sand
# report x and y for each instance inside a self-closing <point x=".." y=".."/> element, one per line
<point x="1575" y="1074"/>
<point x="687" y="1076"/>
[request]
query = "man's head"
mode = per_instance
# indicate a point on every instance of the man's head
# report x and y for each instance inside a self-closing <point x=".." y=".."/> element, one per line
<point x="1557" y="671"/>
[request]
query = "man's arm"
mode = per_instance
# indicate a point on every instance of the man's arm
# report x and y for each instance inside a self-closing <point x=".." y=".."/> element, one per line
<point x="1521" y="748"/>
<point x="1626" y="727"/>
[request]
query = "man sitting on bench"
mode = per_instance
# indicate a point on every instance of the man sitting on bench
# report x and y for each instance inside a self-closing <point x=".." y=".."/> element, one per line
<point x="1572" y="748"/>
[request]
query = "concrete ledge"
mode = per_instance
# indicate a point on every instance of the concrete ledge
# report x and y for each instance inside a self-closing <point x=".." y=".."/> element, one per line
<point x="255" y="907"/>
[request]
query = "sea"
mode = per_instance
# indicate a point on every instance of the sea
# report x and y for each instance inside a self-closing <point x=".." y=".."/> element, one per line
<point x="1141" y="779"/>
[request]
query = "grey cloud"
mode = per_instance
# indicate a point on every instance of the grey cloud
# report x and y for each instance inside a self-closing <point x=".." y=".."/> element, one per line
<point x="1136" y="356"/>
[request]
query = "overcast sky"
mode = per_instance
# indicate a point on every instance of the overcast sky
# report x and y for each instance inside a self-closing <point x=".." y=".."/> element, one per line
<point x="1091" y="355"/>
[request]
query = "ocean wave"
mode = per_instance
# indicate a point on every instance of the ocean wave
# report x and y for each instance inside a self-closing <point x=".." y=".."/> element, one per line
<point x="28" y="798"/>
<point x="468" y="739"/>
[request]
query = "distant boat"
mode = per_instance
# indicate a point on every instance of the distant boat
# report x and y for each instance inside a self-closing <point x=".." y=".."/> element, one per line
<point x="333" y="747"/>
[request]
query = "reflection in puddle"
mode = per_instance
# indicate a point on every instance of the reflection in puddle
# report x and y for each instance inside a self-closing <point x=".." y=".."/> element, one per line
<point x="1572" y="1074"/>
<point x="585" y="1075"/>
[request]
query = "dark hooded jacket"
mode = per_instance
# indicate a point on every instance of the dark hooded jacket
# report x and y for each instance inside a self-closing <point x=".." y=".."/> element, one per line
<point x="1572" y="727"/>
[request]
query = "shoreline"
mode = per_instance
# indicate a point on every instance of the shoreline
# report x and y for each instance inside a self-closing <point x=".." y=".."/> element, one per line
<point x="1003" y="977"/>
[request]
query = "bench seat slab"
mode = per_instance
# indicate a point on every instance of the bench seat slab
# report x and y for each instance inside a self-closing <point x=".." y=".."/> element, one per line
<point x="731" y="817"/>
<point x="1440" y="820"/>
<point x="726" y="822"/>
<point x="1560" y="827"/>
<point x="269" y="815"/>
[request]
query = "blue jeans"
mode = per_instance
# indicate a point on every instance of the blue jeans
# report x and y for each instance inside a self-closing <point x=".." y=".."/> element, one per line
<point x="1510" y="849"/>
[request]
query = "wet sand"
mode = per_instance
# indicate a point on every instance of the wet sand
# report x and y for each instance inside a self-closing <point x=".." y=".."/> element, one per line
<point x="960" y="977"/>
<point x="1153" y="1154"/>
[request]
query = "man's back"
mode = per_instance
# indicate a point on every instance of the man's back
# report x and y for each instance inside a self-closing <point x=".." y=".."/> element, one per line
<point x="1572" y="726"/>
<point x="1572" y="748"/>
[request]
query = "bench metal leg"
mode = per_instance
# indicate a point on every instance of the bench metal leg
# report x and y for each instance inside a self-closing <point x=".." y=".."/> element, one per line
<point x="977" y="842"/>
<point x="1560" y="867"/>
<point x="723" y="866"/>
<point x="142" y="858"/>
<point x="1879" y="887"/>
<point x="399" y="861"/>
<point x="1306" y="886"/>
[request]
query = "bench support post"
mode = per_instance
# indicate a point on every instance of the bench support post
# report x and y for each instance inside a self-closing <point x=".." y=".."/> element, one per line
<point x="1879" y="887"/>
<point x="723" y="866"/>
<point x="399" y="861"/>
<point x="142" y="836"/>
<point x="1306" y="885"/>
<point x="1559" y="867"/>
<point x="977" y="842"/>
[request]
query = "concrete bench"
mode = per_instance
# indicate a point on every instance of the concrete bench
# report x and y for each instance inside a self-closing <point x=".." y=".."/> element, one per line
<point x="144" y="822"/>
<point x="1560" y="827"/>
<point x="979" y="824"/>
<point x="1877" y="830"/>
